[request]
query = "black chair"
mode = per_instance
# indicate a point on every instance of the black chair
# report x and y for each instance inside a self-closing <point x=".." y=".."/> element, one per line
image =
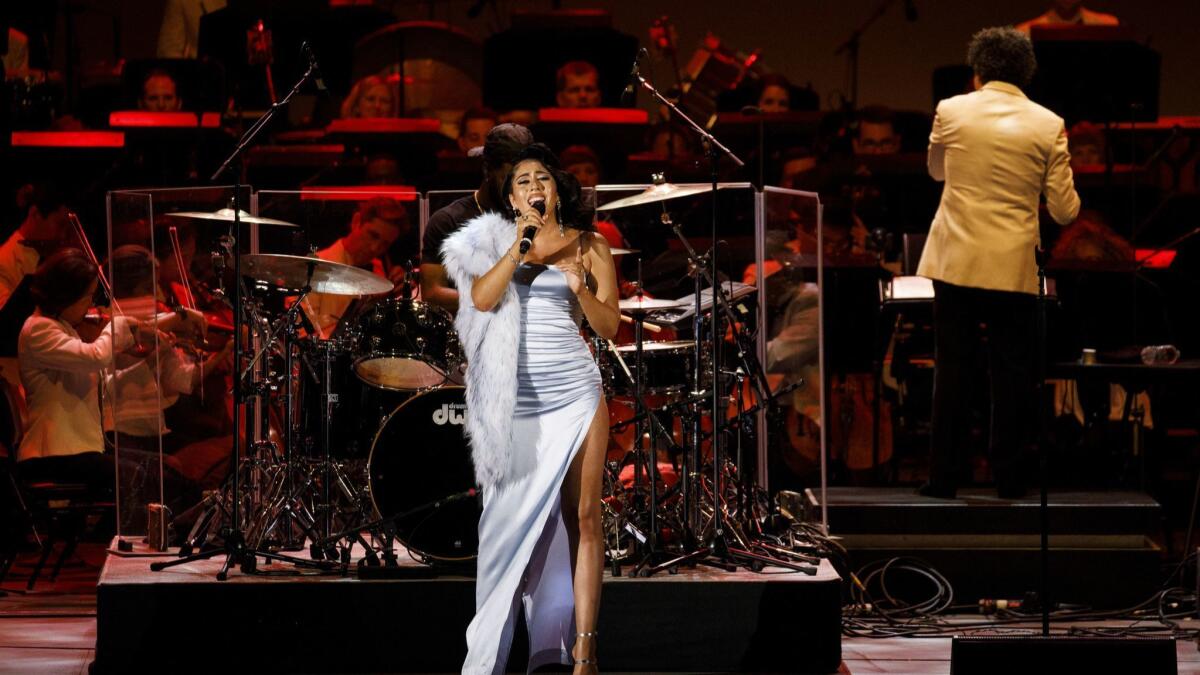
<point x="62" y="511"/>
<point x="914" y="244"/>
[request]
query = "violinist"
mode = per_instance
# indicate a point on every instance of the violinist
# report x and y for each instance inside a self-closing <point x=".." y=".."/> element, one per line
<point x="40" y="233"/>
<point x="61" y="374"/>
<point x="204" y="411"/>
<point x="45" y="221"/>
<point x="144" y="388"/>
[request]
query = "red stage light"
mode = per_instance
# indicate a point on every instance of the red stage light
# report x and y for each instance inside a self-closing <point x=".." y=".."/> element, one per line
<point x="385" y="125"/>
<point x="594" y="115"/>
<point x="165" y="120"/>
<point x="1154" y="259"/>
<point x="358" y="193"/>
<point x="68" y="139"/>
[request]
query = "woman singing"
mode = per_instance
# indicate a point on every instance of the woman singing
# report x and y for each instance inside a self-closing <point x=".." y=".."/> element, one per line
<point x="535" y="415"/>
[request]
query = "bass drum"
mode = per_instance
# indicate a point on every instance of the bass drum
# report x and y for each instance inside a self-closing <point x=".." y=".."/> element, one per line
<point x="420" y="456"/>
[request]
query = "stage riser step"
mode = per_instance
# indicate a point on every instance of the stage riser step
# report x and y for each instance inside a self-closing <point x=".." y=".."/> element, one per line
<point x="1102" y="578"/>
<point x="891" y="511"/>
<point x="995" y="541"/>
<point x="352" y="626"/>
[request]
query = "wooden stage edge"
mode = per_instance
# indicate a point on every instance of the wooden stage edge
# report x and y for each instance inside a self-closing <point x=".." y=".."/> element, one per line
<point x="183" y="620"/>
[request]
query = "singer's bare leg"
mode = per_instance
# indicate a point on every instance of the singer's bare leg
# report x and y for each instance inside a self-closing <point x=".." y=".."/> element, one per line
<point x="581" y="494"/>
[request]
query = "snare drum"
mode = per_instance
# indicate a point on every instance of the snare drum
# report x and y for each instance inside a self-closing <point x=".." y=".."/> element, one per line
<point x="667" y="366"/>
<point x="405" y="345"/>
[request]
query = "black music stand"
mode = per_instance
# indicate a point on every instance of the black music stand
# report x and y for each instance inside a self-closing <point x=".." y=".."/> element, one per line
<point x="1095" y="73"/>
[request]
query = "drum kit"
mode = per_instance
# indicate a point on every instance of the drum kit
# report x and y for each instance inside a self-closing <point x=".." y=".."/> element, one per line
<point x="363" y="443"/>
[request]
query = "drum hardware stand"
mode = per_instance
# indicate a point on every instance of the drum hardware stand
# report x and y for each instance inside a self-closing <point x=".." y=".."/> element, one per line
<point x="272" y="510"/>
<point x="644" y="460"/>
<point x="715" y="151"/>
<point x="233" y="536"/>
<point x="387" y="526"/>
<point x="702" y="268"/>
<point x="648" y="412"/>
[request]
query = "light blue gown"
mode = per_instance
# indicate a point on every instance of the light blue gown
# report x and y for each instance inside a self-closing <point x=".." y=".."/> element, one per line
<point x="524" y="557"/>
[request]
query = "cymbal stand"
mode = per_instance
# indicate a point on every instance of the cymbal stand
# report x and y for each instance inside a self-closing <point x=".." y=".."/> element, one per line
<point x="645" y="461"/>
<point x="717" y="551"/>
<point x="646" y="414"/>
<point x="234" y="536"/>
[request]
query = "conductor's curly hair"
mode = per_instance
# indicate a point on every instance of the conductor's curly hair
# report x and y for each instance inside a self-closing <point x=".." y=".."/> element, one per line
<point x="575" y="211"/>
<point x="1003" y="54"/>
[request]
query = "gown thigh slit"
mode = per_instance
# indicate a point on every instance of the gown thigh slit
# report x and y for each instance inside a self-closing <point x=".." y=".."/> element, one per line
<point x="524" y="553"/>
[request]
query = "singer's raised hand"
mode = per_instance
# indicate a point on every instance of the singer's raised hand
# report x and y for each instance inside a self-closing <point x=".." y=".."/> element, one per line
<point x="576" y="271"/>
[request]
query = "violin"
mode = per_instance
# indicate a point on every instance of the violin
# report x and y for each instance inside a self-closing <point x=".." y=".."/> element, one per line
<point x="180" y="294"/>
<point x="93" y="324"/>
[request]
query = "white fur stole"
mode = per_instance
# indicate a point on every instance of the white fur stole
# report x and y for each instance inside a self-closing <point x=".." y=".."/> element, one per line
<point x="490" y="343"/>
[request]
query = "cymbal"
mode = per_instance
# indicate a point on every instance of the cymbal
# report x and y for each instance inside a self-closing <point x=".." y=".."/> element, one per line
<point x="656" y="193"/>
<point x="624" y="251"/>
<point x="646" y="305"/>
<point x="226" y="215"/>
<point x="292" y="271"/>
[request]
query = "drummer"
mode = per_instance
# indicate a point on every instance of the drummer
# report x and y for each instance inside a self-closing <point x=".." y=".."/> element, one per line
<point x="377" y="224"/>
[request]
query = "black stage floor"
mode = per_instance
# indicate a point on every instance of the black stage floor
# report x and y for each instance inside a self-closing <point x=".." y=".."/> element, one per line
<point x="184" y="620"/>
<point x="1101" y="551"/>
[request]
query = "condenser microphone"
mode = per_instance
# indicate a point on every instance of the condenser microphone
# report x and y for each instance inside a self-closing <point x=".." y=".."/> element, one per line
<point x="318" y="80"/>
<point x="531" y="230"/>
<point x="631" y="83"/>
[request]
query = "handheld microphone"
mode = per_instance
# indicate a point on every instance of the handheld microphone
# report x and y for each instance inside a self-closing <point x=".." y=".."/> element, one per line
<point x="306" y="49"/>
<point x="531" y="230"/>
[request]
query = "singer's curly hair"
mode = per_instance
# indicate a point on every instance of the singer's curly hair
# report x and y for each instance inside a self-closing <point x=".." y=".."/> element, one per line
<point x="575" y="209"/>
<point x="1004" y="54"/>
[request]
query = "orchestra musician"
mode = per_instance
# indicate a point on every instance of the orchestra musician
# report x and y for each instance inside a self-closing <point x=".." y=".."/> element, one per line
<point x="159" y="92"/>
<point x="375" y="226"/>
<point x="372" y="96"/>
<point x="997" y="152"/>
<point x="473" y="128"/>
<point x="1068" y="13"/>
<point x="44" y="228"/>
<point x="61" y="374"/>
<point x="45" y="221"/>
<point x="578" y="85"/>
<point x="774" y="94"/>
<point x="146" y="388"/>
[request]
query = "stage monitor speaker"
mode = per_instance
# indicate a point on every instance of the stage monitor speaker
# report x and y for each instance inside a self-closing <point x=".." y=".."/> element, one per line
<point x="1034" y="655"/>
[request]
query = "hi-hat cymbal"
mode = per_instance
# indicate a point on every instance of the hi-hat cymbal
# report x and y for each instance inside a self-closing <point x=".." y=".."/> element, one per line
<point x="226" y="215"/>
<point x="624" y="251"/>
<point x="656" y="193"/>
<point x="293" y="271"/>
<point x="644" y="305"/>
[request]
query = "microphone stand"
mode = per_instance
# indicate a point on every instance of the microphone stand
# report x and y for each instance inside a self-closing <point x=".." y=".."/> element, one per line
<point x="851" y="45"/>
<point x="234" y="538"/>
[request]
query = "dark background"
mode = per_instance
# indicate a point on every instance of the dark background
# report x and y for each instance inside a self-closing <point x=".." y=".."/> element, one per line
<point x="797" y="37"/>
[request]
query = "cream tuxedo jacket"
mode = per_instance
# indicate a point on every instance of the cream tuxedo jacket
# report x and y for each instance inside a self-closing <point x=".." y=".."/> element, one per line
<point x="61" y="375"/>
<point x="997" y="151"/>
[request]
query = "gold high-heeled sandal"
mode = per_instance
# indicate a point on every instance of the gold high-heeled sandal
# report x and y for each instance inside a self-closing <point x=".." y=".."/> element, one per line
<point x="587" y="661"/>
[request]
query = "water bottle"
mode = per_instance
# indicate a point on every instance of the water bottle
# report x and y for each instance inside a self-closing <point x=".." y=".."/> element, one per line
<point x="1160" y="354"/>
